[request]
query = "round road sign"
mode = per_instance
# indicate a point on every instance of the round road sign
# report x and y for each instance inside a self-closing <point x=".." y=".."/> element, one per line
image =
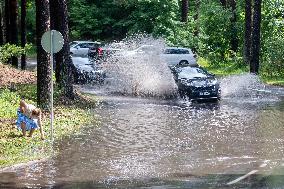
<point x="52" y="41"/>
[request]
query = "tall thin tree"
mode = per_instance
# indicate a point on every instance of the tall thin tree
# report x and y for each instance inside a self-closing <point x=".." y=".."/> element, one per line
<point x="1" y="24"/>
<point x="223" y="3"/>
<point x="55" y="25"/>
<point x="23" y="32"/>
<point x="14" y="27"/>
<point x="254" y="64"/>
<point x="43" y="63"/>
<point x="184" y="10"/>
<point x="63" y="59"/>
<point x="7" y="22"/>
<point x="196" y="19"/>
<point x="234" y="30"/>
<point x="248" y="31"/>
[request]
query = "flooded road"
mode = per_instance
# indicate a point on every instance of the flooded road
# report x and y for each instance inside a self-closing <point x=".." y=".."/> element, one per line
<point x="152" y="143"/>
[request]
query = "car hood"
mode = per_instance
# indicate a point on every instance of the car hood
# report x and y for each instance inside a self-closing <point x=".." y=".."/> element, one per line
<point x="199" y="82"/>
<point x="82" y="64"/>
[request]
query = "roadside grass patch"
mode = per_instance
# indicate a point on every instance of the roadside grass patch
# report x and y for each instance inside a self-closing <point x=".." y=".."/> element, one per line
<point x="223" y="68"/>
<point x="274" y="81"/>
<point x="232" y="68"/>
<point x="69" y="116"/>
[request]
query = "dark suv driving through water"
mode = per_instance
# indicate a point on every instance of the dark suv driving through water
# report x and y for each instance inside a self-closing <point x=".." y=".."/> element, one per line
<point x="196" y="83"/>
<point x="85" y="71"/>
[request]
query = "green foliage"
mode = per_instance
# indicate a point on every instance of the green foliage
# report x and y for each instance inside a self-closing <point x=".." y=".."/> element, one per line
<point x="273" y="39"/>
<point x="114" y="20"/>
<point x="8" y="50"/>
<point x="223" y="68"/>
<point x="9" y="102"/>
<point x="214" y="35"/>
<point x="273" y="59"/>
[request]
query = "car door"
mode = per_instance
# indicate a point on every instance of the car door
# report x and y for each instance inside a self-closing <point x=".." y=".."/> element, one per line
<point x="169" y="57"/>
<point x="83" y="50"/>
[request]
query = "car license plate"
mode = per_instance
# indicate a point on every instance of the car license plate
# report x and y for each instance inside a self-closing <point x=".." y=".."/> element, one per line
<point x="204" y="93"/>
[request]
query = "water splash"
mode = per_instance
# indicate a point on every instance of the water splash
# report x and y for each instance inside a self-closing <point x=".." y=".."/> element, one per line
<point x="246" y="87"/>
<point x="139" y="73"/>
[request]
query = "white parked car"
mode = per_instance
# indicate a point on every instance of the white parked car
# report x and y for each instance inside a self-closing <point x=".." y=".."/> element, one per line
<point x="171" y="55"/>
<point x="179" y="56"/>
<point x="81" y="48"/>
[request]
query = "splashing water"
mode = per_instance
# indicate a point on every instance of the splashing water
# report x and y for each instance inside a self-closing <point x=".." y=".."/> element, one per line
<point x="245" y="86"/>
<point x="140" y="73"/>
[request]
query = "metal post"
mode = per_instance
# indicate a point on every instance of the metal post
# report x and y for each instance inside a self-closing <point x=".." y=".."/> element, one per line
<point x="51" y="87"/>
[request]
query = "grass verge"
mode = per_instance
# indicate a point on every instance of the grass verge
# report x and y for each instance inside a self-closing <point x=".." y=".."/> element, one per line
<point x="70" y="116"/>
<point x="231" y="68"/>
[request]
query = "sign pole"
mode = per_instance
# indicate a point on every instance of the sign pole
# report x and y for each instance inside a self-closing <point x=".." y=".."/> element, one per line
<point x="51" y="87"/>
<point x="52" y="42"/>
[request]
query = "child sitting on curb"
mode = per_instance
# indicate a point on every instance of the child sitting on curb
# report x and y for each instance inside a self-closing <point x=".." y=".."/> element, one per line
<point x="29" y="119"/>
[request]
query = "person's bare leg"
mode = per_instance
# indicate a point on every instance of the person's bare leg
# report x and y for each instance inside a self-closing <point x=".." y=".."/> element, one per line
<point x="31" y="132"/>
<point x="23" y="106"/>
<point x="23" y="127"/>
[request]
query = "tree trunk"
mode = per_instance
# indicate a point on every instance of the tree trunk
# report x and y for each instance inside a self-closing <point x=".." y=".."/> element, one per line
<point x="196" y="27"/>
<point x="55" y="25"/>
<point x="196" y="16"/>
<point x="254" y="65"/>
<point x="248" y="32"/>
<point x="234" y="30"/>
<point x="7" y="22"/>
<point x="63" y="59"/>
<point x="14" y="27"/>
<point x="23" y="32"/>
<point x="43" y="64"/>
<point x="223" y="3"/>
<point x="1" y="26"/>
<point x="184" y="10"/>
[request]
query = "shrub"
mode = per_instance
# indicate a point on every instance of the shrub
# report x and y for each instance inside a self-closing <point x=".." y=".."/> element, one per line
<point x="9" y="50"/>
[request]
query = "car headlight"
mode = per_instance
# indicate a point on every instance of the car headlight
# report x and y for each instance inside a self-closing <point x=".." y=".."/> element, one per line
<point x="185" y="82"/>
<point x="212" y="82"/>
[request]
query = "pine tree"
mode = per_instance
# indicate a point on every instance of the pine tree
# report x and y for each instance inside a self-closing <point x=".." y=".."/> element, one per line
<point x="254" y="64"/>
<point x="234" y="30"/>
<point x="43" y="64"/>
<point x="184" y="10"/>
<point x="1" y="24"/>
<point x="64" y="75"/>
<point x="23" y="32"/>
<point x="14" y="27"/>
<point x="248" y="31"/>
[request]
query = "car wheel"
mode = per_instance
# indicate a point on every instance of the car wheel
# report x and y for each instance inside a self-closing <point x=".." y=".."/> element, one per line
<point x="183" y="63"/>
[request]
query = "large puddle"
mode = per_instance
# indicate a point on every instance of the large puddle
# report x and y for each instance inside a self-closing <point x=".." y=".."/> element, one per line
<point x="152" y="143"/>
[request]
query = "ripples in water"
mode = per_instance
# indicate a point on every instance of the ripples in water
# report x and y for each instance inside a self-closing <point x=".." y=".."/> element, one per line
<point x="167" y="144"/>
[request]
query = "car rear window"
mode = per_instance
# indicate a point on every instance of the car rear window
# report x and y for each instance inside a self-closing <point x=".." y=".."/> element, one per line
<point x="176" y="51"/>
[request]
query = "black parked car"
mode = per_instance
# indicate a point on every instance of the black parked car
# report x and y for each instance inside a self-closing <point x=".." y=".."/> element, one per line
<point x="86" y="72"/>
<point x="196" y="83"/>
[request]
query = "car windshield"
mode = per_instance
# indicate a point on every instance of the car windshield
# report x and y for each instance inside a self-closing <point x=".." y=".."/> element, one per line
<point x="72" y="44"/>
<point x="191" y="73"/>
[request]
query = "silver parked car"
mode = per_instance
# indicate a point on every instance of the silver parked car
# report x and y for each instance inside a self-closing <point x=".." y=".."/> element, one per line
<point x="173" y="56"/>
<point x="81" y="48"/>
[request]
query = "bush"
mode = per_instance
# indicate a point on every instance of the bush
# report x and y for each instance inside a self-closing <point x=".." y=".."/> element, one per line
<point x="7" y="51"/>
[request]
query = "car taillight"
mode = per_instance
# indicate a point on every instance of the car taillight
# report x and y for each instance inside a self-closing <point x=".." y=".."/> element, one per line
<point x="100" y="51"/>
